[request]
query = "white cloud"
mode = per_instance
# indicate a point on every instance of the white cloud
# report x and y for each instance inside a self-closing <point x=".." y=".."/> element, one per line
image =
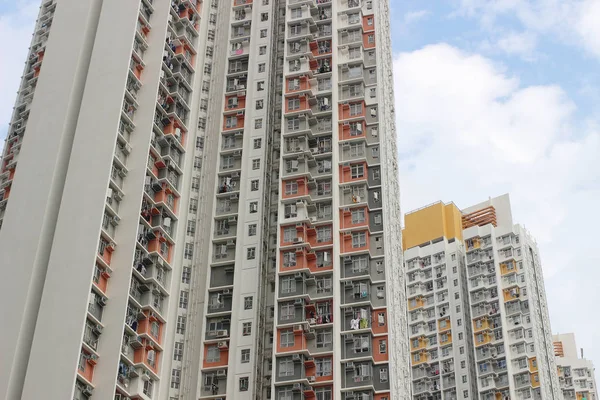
<point x="522" y="44"/>
<point x="574" y="21"/>
<point x="16" y="27"/>
<point x="468" y="130"/>
<point x="414" y="16"/>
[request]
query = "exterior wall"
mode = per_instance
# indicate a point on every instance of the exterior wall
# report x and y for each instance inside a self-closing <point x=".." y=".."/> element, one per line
<point x="576" y="375"/>
<point x="45" y="129"/>
<point x="501" y="294"/>
<point x="162" y="196"/>
<point x="430" y="223"/>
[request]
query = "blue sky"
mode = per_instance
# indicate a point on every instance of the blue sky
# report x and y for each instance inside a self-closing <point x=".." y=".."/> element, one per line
<point x="492" y="96"/>
<point x="496" y="96"/>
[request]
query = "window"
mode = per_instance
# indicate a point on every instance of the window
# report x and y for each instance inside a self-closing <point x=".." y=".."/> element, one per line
<point x="263" y="33"/>
<point x="296" y="12"/>
<point x="191" y="228"/>
<point x="291" y="188"/>
<point x="188" y="251"/>
<point x="377" y="219"/>
<point x="256" y="163"/>
<point x="253" y="207"/>
<point x="262" y="50"/>
<point x="175" y="378"/>
<point x="245" y="357"/>
<point x="260" y="86"/>
<point x="293" y="124"/>
<point x="358" y="216"/>
<point x="357" y="171"/>
<point x="356" y="109"/>
<point x="148" y="387"/>
<point x="466" y="394"/>
<point x="178" y="351"/>
<point x="295" y="29"/>
<point x="193" y="206"/>
<point x="248" y="303"/>
<point x="370" y="21"/>
<point x="383" y="375"/>
<point x="288" y="284"/>
<point x="155" y="329"/>
<point x="289" y="259"/>
<point x="456" y="282"/>
<point x="252" y="230"/>
<point x="251" y="253"/>
<point x="371" y="39"/>
<point x="324" y="234"/>
<point x="293" y="104"/>
<point x="181" y="324"/>
<point x="244" y="384"/>
<point x="197" y="162"/>
<point x="254" y="185"/>
<point x="246" y="328"/>
<point x="185" y="274"/>
<point x="195" y="184"/>
<point x="287" y="311"/>
<point x="183" y="299"/>
<point x="359" y="239"/>
<point x="324" y="338"/>
<point x="258" y="142"/>
<point x="286" y="367"/>
<point x="323" y="366"/>
<point x="382" y="346"/>
<point x="213" y="353"/>
<point x="323" y="393"/>
<point x="287" y="338"/>
<point x="463" y="364"/>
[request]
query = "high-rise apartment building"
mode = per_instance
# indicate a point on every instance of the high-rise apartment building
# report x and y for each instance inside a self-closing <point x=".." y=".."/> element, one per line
<point x="478" y="317"/>
<point x="576" y="374"/>
<point x="199" y="200"/>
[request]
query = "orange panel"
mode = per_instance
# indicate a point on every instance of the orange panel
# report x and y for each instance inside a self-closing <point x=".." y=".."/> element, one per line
<point x="368" y="23"/>
<point x="299" y="342"/>
<point x="369" y="36"/>
<point x="378" y="326"/>
<point x="346" y="172"/>
<point x="346" y="218"/>
<point x="223" y="358"/>
<point x="377" y="356"/>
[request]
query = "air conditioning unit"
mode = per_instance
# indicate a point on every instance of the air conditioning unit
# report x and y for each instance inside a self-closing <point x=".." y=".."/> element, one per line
<point x="348" y="337"/>
<point x="118" y="196"/>
<point x="102" y="300"/>
<point x="127" y="148"/>
<point x="232" y="219"/>
<point x="222" y="333"/>
<point x="222" y="345"/>
<point x="122" y="173"/>
<point x="348" y="284"/>
<point x="347" y="259"/>
<point x="222" y="372"/>
<point x="350" y="365"/>
<point x="296" y="357"/>
<point x="298" y="240"/>
<point x="235" y="175"/>
<point x="311" y="379"/>
<point x="240" y="113"/>
<point x="115" y="220"/>
<point x="227" y="291"/>
<point x="297" y="387"/>
<point x="298" y="302"/>
<point x="88" y="390"/>
<point x="146" y="375"/>
<point x="298" y="275"/>
<point x="97" y="329"/>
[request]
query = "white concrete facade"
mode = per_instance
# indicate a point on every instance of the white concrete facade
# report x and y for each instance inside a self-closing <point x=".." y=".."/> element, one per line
<point x="149" y="246"/>
<point x="439" y="321"/>
<point x="575" y="373"/>
<point x="512" y="335"/>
